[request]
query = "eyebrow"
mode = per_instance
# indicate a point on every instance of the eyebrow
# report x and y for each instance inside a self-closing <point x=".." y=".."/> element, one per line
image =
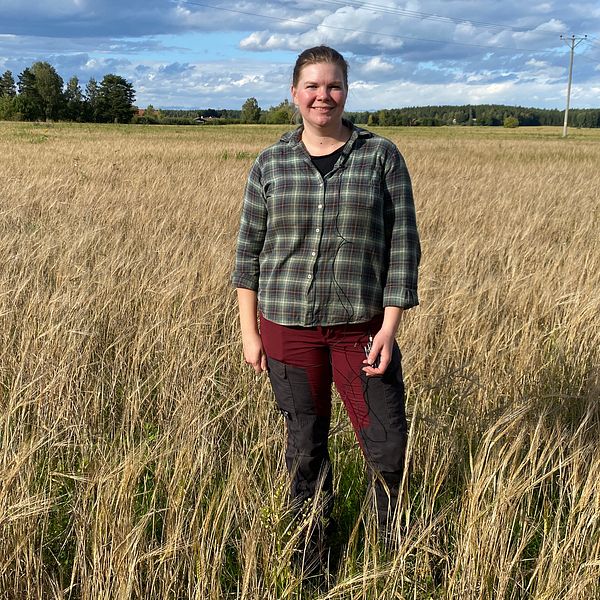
<point x="317" y="83"/>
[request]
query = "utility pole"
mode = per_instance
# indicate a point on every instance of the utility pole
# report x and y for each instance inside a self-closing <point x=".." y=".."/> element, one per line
<point x="573" y="42"/>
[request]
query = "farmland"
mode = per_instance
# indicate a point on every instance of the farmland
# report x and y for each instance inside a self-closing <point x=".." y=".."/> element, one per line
<point x="141" y="458"/>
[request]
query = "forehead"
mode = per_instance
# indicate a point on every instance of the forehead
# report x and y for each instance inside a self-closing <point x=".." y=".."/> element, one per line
<point x="319" y="72"/>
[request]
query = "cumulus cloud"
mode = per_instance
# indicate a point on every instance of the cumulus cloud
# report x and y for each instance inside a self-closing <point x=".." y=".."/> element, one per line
<point x="377" y="64"/>
<point x="399" y="52"/>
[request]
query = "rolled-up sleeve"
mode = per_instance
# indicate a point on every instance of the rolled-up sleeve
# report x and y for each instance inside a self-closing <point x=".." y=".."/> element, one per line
<point x="251" y="237"/>
<point x="401" y="231"/>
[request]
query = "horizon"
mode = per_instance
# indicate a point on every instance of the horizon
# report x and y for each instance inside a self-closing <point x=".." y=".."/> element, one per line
<point x="217" y="108"/>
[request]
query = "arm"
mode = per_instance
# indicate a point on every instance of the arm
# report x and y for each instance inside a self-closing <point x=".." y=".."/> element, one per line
<point x="383" y="342"/>
<point x="400" y="292"/>
<point x="252" y="232"/>
<point x="401" y="234"/>
<point x="254" y="353"/>
<point x="253" y="226"/>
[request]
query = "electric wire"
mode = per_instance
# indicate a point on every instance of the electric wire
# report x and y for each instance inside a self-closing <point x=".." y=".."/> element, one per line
<point x="413" y="14"/>
<point x="514" y="50"/>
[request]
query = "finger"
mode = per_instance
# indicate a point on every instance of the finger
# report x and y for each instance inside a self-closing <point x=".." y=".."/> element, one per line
<point x="263" y="363"/>
<point x="380" y="369"/>
<point x="383" y="363"/>
<point x="372" y="371"/>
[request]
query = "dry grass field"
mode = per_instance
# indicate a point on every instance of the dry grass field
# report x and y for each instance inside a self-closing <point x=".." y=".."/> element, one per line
<point x="141" y="459"/>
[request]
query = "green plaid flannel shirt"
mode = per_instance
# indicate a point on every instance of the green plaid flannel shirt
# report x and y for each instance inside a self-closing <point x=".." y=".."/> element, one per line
<point x="328" y="250"/>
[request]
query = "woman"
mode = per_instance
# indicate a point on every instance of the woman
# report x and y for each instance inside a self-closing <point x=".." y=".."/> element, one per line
<point x="328" y="253"/>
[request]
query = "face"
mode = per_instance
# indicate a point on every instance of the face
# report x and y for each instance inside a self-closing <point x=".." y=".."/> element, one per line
<point x="320" y="95"/>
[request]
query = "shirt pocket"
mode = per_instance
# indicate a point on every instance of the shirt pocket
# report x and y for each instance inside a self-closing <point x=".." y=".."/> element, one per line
<point x="361" y="188"/>
<point x="360" y="205"/>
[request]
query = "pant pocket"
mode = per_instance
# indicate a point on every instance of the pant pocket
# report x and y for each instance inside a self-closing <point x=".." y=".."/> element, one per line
<point x="394" y="391"/>
<point x="282" y="388"/>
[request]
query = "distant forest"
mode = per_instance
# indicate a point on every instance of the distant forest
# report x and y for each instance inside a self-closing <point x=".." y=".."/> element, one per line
<point x="429" y="116"/>
<point x="40" y="94"/>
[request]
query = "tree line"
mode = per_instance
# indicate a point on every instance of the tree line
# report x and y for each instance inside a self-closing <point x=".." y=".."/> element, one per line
<point x="39" y="94"/>
<point x="429" y="116"/>
<point x="480" y="114"/>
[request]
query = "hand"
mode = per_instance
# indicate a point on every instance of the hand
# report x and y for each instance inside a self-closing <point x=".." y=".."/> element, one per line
<point x="254" y="352"/>
<point x="382" y="347"/>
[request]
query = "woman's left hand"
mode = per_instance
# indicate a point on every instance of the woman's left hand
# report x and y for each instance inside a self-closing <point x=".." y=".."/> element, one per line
<point x="382" y="347"/>
<point x="383" y="342"/>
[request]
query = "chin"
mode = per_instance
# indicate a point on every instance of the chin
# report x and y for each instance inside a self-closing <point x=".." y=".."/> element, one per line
<point x="324" y="119"/>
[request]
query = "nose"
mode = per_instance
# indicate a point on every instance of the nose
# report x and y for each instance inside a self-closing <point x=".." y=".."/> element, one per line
<point x="324" y="93"/>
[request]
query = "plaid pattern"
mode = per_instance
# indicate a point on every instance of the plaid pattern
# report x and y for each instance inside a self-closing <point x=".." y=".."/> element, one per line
<point x="328" y="250"/>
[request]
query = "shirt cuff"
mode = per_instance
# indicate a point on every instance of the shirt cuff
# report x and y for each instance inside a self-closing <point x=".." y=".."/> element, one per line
<point x="403" y="298"/>
<point x="239" y="280"/>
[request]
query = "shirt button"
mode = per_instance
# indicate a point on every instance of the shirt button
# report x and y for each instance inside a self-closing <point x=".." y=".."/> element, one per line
<point x="313" y="253"/>
<point x="309" y="276"/>
<point x="317" y="230"/>
<point x="320" y="206"/>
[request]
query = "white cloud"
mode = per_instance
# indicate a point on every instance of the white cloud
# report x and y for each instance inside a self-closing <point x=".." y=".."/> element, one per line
<point x="247" y="80"/>
<point x="393" y="57"/>
<point x="363" y="85"/>
<point x="378" y="65"/>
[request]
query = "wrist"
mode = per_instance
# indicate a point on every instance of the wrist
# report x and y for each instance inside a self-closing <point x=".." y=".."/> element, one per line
<point x="391" y="320"/>
<point x="389" y="329"/>
<point x="249" y="331"/>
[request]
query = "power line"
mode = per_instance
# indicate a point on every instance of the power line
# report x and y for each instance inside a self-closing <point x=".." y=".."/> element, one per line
<point x="593" y="41"/>
<point x="514" y="50"/>
<point x="590" y="60"/>
<point x="413" y="14"/>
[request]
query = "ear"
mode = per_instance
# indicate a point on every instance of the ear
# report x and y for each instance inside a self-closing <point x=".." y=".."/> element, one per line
<point x="293" y="94"/>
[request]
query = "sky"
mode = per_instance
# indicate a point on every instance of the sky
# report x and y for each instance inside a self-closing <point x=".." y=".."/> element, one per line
<point x="216" y="54"/>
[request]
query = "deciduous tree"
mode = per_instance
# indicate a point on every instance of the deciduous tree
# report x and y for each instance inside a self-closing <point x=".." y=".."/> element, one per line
<point x="250" y="111"/>
<point x="92" y="92"/>
<point x="282" y="113"/>
<point x="49" y="85"/>
<point x="74" y="109"/>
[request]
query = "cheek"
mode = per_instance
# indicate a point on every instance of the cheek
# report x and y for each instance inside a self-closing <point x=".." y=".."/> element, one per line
<point x="339" y="96"/>
<point x="305" y="98"/>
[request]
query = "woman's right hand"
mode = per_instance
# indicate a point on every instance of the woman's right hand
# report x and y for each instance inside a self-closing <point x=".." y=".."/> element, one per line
<point x="254" y="352"/>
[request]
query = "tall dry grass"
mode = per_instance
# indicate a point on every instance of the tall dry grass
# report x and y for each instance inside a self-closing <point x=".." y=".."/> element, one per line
<point x="139" y="456"/>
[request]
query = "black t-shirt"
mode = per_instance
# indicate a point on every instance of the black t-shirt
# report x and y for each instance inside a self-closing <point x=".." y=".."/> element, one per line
<point x="326" y="163"/>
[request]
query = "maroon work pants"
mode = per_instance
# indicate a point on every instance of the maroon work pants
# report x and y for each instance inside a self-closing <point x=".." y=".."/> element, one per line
<point x="303" y="361"/>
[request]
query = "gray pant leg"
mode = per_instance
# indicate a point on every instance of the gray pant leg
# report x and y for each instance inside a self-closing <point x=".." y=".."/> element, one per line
<point x="307" y="456"/>
<point x="384" y="439"/>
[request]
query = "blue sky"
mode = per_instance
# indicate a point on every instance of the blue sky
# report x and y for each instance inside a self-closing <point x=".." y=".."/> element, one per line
<point x="190" y="54"/>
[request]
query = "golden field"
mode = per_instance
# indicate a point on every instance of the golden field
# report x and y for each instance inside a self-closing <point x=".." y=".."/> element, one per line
<point x="141" y="458"/>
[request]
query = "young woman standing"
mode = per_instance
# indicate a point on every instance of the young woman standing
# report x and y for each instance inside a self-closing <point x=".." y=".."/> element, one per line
<point x="328" y="253"/>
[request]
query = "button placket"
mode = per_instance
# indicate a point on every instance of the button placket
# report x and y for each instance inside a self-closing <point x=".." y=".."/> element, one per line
<point x="318" y="230"/>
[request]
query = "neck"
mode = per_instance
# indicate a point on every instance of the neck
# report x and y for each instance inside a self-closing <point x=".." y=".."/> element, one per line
<point x="333" y="135"/>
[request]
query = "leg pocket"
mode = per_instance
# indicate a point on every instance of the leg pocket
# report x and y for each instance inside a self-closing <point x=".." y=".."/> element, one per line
<point x="281" y="387"/>
<point x="394" y="391"/>
<point x="301" y="391"/>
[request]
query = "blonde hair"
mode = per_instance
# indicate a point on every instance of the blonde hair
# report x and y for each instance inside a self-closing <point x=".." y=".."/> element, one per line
<point x="316" y="55"/>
